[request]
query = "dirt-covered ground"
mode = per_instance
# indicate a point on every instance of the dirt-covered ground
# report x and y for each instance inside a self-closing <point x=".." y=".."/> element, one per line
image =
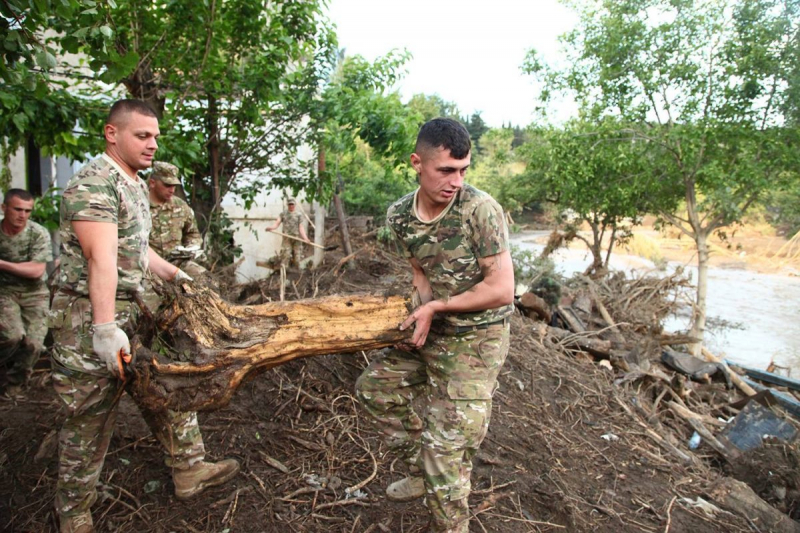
<point x="566" y="450"/>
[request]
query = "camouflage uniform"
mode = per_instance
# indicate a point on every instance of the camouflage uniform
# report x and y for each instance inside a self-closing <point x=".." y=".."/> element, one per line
<point x="455" y="372"/>
<point x="291" y="250"/>
<point x="102" y="192"/>
<point x="174" y="224"/>
<point x="23" y="302"/>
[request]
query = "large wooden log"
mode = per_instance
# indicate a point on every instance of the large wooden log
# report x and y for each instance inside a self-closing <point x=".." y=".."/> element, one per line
<point x="738" y="498"/>
<point x="217" y="345"/>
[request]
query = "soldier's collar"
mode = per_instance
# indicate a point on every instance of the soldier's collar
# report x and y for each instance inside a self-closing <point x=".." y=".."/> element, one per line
<point x="118" y="168"/>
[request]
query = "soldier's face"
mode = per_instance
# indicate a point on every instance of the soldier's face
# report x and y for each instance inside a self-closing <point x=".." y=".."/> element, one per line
<point x="162" y="191"/>
<point x="134" y="139"/>
<point x="17" y="212"/>
<point x="440" y="175"/>
<point x="291" y="208"/>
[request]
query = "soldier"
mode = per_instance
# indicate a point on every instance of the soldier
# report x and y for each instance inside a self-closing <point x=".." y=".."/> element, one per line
<point x="291" y="249"/>
<point x="174" y="236"/>
<point x="25" y="250"/>
<point x="456" y="240"/>
<point x="105" y="223"/>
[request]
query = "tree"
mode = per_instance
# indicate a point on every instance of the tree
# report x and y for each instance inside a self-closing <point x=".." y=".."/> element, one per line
<point x="496" y="169"/>
<point x="476" y="127"/>
<point x="430" y="107"/>
<point x="602" y="175"/>
<point x="233" y="82"/>
<point x="706" y="85"/>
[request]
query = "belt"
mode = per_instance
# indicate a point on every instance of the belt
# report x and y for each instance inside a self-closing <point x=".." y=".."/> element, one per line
<point x="451" y="330"/>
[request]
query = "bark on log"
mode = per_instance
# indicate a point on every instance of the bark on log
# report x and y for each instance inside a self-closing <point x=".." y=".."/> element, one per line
<point x="594" y="346"/>
<point x="744" y="387"/>
<point x="740" y="499"/>
<point x="222" y="344"/>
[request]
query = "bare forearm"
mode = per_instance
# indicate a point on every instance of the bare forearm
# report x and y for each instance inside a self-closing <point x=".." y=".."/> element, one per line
<point x="159" y="266"/>
<point x="102" y="290"/>
<point x="28" y="269"/>
<point x="480" y="297"/>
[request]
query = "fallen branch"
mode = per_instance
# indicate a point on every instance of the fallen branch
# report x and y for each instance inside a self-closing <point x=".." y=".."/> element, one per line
<point x="222" y="344"/>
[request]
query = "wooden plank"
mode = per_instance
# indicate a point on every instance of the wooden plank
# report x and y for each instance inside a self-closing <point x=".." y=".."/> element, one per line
<point x="791" y="405"/>
<point x="769" y="377"/>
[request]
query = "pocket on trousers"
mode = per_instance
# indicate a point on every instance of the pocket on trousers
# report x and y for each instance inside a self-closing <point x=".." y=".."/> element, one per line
<point x="478" y="388"/>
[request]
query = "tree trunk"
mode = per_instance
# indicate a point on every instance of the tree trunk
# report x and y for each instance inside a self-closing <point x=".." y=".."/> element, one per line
<point x="227" y="343"/>
<point x="699" y="325"/>
<point x="213" y="151"/>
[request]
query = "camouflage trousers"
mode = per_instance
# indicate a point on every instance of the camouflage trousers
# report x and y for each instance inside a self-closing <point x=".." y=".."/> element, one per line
<point x="291" y="252"/>
<point x="91" y="397"/>
<point x="23" y="327"/>
<point x="453" y="377"/>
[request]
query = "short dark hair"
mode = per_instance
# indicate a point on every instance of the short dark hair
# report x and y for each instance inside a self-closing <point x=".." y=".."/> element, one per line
<point x="123" y="107"/>
<point x="22" y="194"/>
<point x="444" y="133"/>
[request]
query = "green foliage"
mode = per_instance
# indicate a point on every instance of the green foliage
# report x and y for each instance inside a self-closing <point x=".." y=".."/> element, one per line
<point x="221" y="249"/>
<point x="47" y="209"/>
<point x="496" y="170"/>
<point x="384" y="235"/>
<point x="432" y="106"/>
<point x="373" y="183"/>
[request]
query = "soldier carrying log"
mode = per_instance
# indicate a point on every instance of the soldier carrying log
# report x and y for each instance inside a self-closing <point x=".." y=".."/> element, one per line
<point x="456" y="240"/>
<point x="105" y="224"/>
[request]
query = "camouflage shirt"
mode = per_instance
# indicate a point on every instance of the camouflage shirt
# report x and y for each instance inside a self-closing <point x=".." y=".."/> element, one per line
<point x="291" y="222"/>
<point x="447" y="248"/>
<point x="173" y="225"/>
<point x="102" y="192"/>
<point x="30" y="244"/>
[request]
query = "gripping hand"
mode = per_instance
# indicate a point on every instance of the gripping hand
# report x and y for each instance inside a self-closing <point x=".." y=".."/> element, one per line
<point x="108" y="341"/>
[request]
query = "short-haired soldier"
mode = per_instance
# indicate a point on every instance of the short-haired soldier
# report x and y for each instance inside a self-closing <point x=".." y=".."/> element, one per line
<point x="25" y="249"/>
<point x="456" y="240"/>
<point x="105" y="224"/>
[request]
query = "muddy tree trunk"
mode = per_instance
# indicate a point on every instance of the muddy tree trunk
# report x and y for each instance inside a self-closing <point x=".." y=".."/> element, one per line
<point x="213" y="346"/>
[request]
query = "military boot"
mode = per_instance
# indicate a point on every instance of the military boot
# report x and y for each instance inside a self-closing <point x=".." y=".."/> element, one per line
<point x="407" y="489"/>
<point x="200" y="476"/>
<point x="79" y="523"/>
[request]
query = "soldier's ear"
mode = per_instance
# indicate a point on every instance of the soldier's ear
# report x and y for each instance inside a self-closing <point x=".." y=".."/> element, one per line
<point x="110" y="133"/>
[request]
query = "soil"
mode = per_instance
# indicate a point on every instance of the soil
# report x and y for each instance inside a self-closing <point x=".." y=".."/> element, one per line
<point x="563" y="452"/>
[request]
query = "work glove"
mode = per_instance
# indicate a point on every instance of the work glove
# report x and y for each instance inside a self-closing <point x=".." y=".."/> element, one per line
<point x="107" y="342"/>
<point x="180" y="275"/>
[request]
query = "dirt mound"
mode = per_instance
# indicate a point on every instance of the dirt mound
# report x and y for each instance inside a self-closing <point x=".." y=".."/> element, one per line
<point x="568" y="448"/>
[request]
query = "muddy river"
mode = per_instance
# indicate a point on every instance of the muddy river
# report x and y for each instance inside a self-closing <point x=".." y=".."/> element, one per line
<point x="753" y="317"/>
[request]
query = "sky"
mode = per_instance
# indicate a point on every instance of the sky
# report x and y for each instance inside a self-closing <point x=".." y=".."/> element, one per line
<point x="468" y="51"/>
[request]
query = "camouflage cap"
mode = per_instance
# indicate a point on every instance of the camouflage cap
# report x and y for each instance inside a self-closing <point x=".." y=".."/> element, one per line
<point x="290" y="200"/>
<point x="166" y="172"/>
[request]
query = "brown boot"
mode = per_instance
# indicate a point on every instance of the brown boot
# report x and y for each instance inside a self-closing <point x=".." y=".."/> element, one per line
<point x="191" y="482"/>
<point x="79" y="523"/>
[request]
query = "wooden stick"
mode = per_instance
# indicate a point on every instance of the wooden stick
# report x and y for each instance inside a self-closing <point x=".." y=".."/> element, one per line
<point x="744" y="387"/>
<point x="695" y="420"/>
<point x="276" y="232"/>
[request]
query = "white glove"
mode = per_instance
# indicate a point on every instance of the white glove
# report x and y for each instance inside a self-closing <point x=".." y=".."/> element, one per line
<point x="107" y="341"/>
<point x="180" y="275"/>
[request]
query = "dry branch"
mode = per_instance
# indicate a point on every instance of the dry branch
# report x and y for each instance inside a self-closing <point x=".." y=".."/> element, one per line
<point x="222" y="344"/>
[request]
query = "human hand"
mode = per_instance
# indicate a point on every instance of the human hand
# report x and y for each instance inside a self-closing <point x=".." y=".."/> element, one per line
<point x="421" y="318"/>
<point x="107" y="341"/>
